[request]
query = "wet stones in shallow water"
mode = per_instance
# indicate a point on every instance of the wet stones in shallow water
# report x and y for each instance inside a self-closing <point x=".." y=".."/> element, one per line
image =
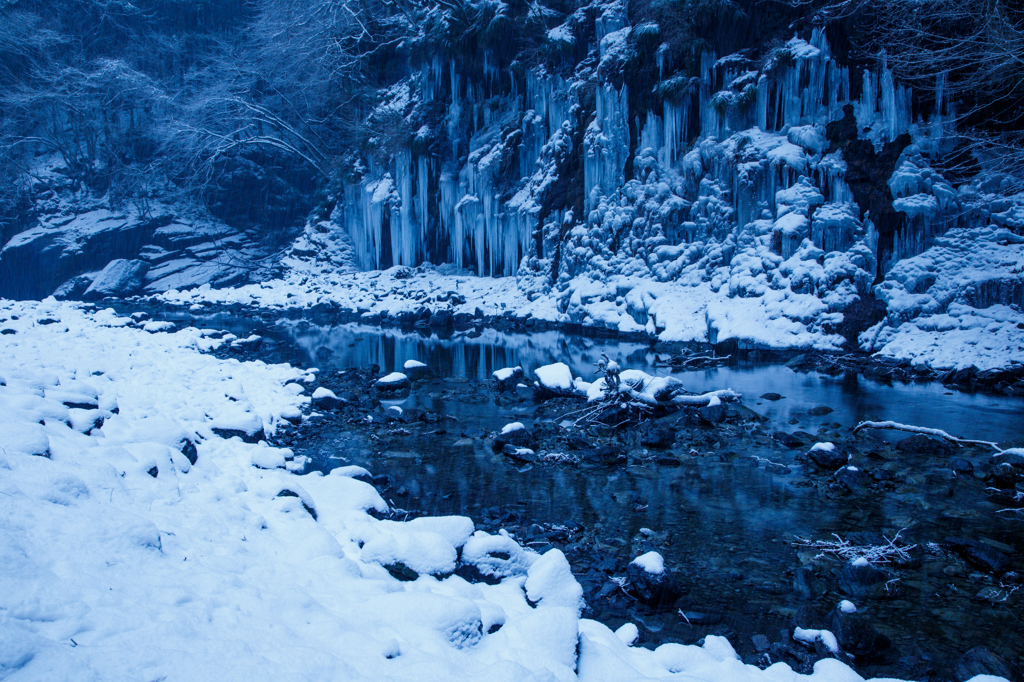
<point x="981" y="661"/>
<point x="658" y="438"/>
<point x="861" y="579"/>
<point x="858" y="637"/>
<point x="787" y="439"/>
<point x="771" y="396"/>
<point x="852" y="479"/>
<point x="1014" y="458"/>
<point x="828" y="459"/>
<point x="712" y="414"/>
<point x="1005" y="475"/>
<point x="820" y="411"/>
<point x="920" y="443"/>
<point x="961" y="466"/>
<point x="979" y="555"/>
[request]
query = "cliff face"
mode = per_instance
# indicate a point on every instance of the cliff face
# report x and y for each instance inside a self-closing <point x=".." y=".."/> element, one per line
<point x="774" y="171"/>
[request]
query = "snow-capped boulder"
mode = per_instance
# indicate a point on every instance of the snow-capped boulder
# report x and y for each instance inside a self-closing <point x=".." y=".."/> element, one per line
<point x="392" y="383"/>
<point x="651" y="582"/>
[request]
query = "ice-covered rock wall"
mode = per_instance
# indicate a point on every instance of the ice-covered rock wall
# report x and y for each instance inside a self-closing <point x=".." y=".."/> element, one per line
<point x="734" y="177"/>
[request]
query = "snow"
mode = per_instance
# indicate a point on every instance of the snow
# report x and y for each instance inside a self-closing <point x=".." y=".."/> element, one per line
<point x="811" y="636"/>
<point x="322" y="392"/>
<point x="393" y="378"/>
<point x="413" y="364"/>
<point x="224" y="569"/>
<point x="847" y="606"/>
<point x="505" y="373"/>
<point x="509" y="428"/>
<point x="823" y="446"/>
<point x="652" y="562"/>
<point x="860" y="561"/>
<point x="556" y="377"/>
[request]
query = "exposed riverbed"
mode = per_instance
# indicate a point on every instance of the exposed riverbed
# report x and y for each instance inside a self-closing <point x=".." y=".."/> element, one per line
<point x="724" y="503"/>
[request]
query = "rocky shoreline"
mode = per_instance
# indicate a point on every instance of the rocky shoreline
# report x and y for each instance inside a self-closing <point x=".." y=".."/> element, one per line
<point x="692" y="440"/>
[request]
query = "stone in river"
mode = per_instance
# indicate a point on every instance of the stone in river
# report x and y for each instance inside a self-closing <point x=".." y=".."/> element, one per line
<point x="820" y="411"/>
<point x="859" y="578"/>
<point x="920" y="443"/>
<point x="772" y="396"/>
<point x="651" y="582"/>
<point x="658" y="438"/>
<point x="961" y="466"/>
<point x="856" y="635"/>
<point x="981" y="661"/>
<point x="979" y="555"/>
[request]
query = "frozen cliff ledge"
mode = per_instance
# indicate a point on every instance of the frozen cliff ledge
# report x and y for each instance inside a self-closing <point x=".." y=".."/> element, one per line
<point x="958" y="304"/>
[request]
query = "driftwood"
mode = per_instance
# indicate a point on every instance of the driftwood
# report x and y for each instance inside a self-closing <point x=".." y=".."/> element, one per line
<point x="937" y="433"/>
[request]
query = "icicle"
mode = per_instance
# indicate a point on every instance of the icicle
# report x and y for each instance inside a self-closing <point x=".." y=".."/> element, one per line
<point x="762" y="102"/>
<point x="424" y="168"/>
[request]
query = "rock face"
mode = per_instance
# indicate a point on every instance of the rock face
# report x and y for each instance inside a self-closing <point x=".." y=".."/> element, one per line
<point x="119" y="278"/>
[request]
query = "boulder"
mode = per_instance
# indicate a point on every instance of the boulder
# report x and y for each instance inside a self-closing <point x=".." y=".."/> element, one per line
<point x="920" y="443"/>
<point x="392" y="383"/>
<point x="508" y="378"/>
<point x="658" y="438"/>
<point x="981" y="661"/>
<point x="979" y="555"/>
<point x="416" y="370"/>
<point x="858" y="578"/>
<point x="120" y="278"/>
<point x="651" y="582"/>
<point x="325" y="399"/>
<point x="855" y="635"/>
<point x="827" y="456"/>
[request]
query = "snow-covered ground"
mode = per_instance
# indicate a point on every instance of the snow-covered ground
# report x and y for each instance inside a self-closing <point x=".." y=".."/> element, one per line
<point x="127" y="554"/>
<point x="669" y="310"/>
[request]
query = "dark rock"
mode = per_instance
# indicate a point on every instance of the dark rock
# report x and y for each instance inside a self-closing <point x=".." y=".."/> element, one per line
<point x="920" y="443"/>
<point x="760" y="642"/>
<point x="188" y="449"/>
<point x="713" y="414"/>
<point x="609" y="455"/>
<point x="509" y="382"/>
<point x="1005" y="475"/>
<point x="399" y="571"/>
<point x="829" y="460"/>
<point x="286" y="492"/>
<point x="772" y="396"/>
<point x="327" y="402"/>
<point x="246" y="437"/>
<point x="1014" y="458"/>
<point x="323" y="353"/>
<point x="852" y="478"/>
<point x="659" y="438"/>
<point x="73" y="288"/>
<point x="857" y="636"/>
<point x="805" y="583"/>
<point x="820" y="411"/>
<point x="787" y="439"/>
<point x="519" y="453"/>
<point x="979" y="555"/>
<point x="961" y="466"/>
<point x="520" y="437"/>
<point x="398" y="385"/>
<point x="981" y="661"/>
<point x="153" y="471"/>
<point x="657" y="590"/>
<point x="416" y="371"/>
<point x="861" y="580"/>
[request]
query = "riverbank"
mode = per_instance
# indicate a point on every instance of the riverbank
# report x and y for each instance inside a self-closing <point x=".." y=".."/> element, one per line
<point x="983" y="353"/>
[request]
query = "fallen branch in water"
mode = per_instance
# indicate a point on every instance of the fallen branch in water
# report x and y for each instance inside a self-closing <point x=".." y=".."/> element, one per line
<point x="876" y="554"/>
<point x="937" y="433"/>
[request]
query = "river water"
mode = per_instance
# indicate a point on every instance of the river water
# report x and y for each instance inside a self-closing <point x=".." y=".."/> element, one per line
<point x="726" y="526"/>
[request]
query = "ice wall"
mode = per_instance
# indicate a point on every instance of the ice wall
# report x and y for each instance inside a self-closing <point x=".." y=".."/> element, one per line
<point x="724" y="150"/>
